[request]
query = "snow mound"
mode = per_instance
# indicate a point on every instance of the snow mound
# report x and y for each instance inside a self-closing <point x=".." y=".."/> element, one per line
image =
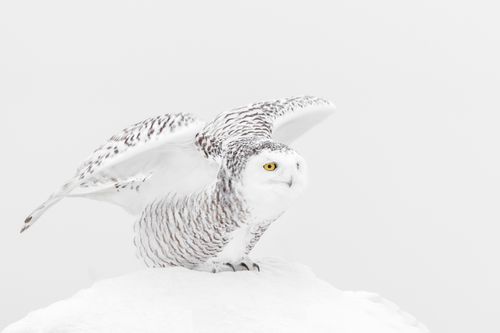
<point x="282" y="297"/>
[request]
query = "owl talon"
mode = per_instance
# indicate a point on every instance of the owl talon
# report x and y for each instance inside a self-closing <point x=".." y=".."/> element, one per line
<point x="230" y="265"/>
<point x="254" y="265"/>
<point x="245" y="265"/>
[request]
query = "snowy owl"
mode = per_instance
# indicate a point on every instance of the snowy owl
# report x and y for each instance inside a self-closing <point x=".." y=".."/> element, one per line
<point x="203" y="193"/>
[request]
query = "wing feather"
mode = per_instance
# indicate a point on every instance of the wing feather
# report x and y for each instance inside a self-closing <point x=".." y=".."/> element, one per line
<point x="162" y="154"/>
<point x="143" y="161"/>
<point x="153" y="134"/>
<point x="283" y="120"/>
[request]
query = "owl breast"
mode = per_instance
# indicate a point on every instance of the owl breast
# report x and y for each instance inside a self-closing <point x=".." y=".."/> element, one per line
<point x="191" y="230"/>
<point x="216" y="225"/>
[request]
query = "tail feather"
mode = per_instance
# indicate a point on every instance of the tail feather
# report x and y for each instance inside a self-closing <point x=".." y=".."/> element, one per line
<point x="33" y="217"/>
<point x="53" y="199"/>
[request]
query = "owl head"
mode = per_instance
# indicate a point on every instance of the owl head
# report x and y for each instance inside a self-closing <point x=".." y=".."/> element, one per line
<point x="269" y="175"/>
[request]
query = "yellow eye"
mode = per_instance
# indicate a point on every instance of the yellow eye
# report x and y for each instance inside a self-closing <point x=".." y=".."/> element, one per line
<point x="270" y="166"/>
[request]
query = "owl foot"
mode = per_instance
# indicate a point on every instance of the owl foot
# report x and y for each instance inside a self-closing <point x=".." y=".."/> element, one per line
<point x="245" y="265"/>
<point x="217" y="267"/>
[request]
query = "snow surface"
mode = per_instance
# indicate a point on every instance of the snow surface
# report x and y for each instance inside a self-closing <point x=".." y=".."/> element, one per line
<point x="282" y="297"/>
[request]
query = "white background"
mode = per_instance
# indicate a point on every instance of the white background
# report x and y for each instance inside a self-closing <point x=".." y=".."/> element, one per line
<point x="405" y="185"/>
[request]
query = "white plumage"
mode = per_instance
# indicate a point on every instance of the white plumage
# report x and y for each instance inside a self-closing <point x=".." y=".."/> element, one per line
<point x="204" y="193"/>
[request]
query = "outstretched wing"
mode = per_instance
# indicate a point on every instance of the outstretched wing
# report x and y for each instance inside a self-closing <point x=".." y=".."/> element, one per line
<point x="145" y="160"/>
<point x="283" y="120"/>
